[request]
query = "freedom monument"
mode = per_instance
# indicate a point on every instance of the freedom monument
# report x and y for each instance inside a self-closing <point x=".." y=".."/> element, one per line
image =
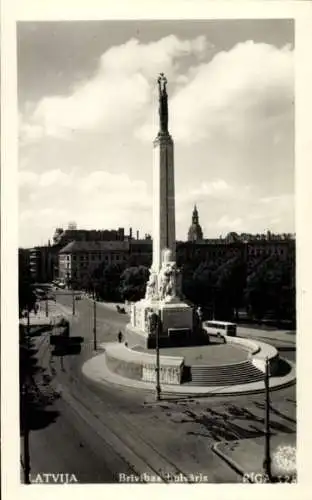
<point x="163" y="309"/>
<point x="164" y="319"/>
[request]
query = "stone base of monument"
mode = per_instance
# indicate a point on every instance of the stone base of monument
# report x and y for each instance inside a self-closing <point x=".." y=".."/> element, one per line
<point x="176" y="325"/>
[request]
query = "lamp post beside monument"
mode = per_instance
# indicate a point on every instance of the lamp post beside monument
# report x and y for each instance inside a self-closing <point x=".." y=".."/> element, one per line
<point x="267" y="430"/>
<point x="157" y="331"/>
<point x="74" y="304"/>
<point x="94" y="325"/>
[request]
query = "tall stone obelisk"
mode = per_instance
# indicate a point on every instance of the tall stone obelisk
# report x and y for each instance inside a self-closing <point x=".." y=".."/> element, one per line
<point x="163" y="184"/>
<point x="163" y="309"/>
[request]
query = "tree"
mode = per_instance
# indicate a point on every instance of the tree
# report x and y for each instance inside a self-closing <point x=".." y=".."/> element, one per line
<point x="107" y="278"/>
<point x="88" y="279"/>
<point x="26" y="295"/>
<point x="133" y="283"/>
<point x="198" y="286"/>
<point x="270" y="290"/>
<point x="230" y="284"/>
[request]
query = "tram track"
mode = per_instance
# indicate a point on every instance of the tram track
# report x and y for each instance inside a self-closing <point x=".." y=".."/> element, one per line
<point x="148" y="461"/>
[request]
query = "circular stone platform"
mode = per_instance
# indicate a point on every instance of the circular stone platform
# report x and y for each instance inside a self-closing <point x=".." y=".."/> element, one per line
<point x="208" y="355"/>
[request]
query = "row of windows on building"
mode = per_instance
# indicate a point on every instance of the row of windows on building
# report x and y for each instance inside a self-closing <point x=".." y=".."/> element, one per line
<point x="253" y="251"/>
<point x="92" y="257"/>
<point x="198" y="252"/>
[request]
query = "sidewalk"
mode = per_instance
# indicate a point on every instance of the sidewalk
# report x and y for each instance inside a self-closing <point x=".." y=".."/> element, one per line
<point x="274" y="335"/>
<point x="110" y="305"/>
<point x="246" y="457"/>
<point x="55" y="310"/>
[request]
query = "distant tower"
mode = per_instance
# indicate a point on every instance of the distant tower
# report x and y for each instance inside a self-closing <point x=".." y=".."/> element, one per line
<point x="195" y="232"/>
<point x="72" y="226"/>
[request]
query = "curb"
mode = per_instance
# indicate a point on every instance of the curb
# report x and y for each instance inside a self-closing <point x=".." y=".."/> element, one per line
<point x="234" y="465"/>
<point x="239" y="469"/>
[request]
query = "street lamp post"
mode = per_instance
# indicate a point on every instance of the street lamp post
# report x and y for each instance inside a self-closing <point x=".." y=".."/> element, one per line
<point x="158" y="390"/>
<point x="94" y="325"/>
<point x="267" y="433"/>
<point x="28" y="328"/>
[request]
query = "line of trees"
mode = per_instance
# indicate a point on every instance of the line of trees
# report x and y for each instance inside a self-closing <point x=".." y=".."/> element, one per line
<point x="264" y="287"/>
<point x="115" y="282"/>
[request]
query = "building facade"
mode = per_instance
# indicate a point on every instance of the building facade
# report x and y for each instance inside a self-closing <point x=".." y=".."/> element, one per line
<point x="79" y="258"/>
<point x="43" y="263"/>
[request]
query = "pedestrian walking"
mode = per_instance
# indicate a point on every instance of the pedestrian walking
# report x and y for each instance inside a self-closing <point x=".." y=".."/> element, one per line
<point x="119" y="337"/>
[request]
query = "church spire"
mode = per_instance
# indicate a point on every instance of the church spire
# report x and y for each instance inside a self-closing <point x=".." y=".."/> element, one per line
<point x="195" y="232"/>
<point x="195" y="216"/>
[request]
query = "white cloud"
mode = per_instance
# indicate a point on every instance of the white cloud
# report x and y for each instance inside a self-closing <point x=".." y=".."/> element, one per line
<point x="103" y="200"/>
<point x="97" y="200"/>
<point x="248" y="84"/>
<point x="231" y="118"/>
<point x="225" y="222"/>
<point x="134" y="57"/>
<point x="27" y="179"/>
<point x="217" y="189"/>
<point x="54" y="177"/>
<point x="217" y="186"/>
<point x="30" y="132"/>
<point x="120" y="183"/>
<point x="116" y="96"/>
<point x="237" y="208"/>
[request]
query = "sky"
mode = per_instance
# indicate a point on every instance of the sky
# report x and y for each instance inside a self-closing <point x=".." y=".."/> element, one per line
<point x="88" y="115"/>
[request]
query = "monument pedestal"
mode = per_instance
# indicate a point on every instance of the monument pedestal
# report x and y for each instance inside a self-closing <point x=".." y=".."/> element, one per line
<point x="175" y="320"/>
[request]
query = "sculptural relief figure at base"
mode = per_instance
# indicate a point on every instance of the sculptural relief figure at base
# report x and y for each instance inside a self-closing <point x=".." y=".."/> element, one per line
<point x="151" y="287"/>
<point x="169" y="279"/>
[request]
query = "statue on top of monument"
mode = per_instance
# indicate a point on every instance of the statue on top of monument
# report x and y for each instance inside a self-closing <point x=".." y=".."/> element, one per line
<point x="163" y="103"/>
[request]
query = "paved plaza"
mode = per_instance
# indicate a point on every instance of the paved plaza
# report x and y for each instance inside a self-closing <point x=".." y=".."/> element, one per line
<point x="213" y="354"/>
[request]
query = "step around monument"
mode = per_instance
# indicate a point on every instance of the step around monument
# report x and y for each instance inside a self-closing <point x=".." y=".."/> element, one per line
<point x="96" y="370"/>
<point x="132" y="367"/>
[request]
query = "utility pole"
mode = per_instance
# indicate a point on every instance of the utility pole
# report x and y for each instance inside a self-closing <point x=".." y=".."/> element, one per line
<point x="213" y="303"/>
<point x="26" y="457"/>
<point x="158" y="390"/>
<point x="25" y="409"/>
<point x="267" y="433"/>
<point x="94" y="325"/>
<point x="74" y="305"/>
<point x="47" y="307"/>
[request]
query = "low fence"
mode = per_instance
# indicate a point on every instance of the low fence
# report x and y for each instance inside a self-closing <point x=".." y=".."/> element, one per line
<point x="142" y="366"/>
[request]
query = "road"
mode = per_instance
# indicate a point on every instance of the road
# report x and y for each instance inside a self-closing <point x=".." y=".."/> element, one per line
<point x="95" y="432"/>
<point x="73" y="445"/>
